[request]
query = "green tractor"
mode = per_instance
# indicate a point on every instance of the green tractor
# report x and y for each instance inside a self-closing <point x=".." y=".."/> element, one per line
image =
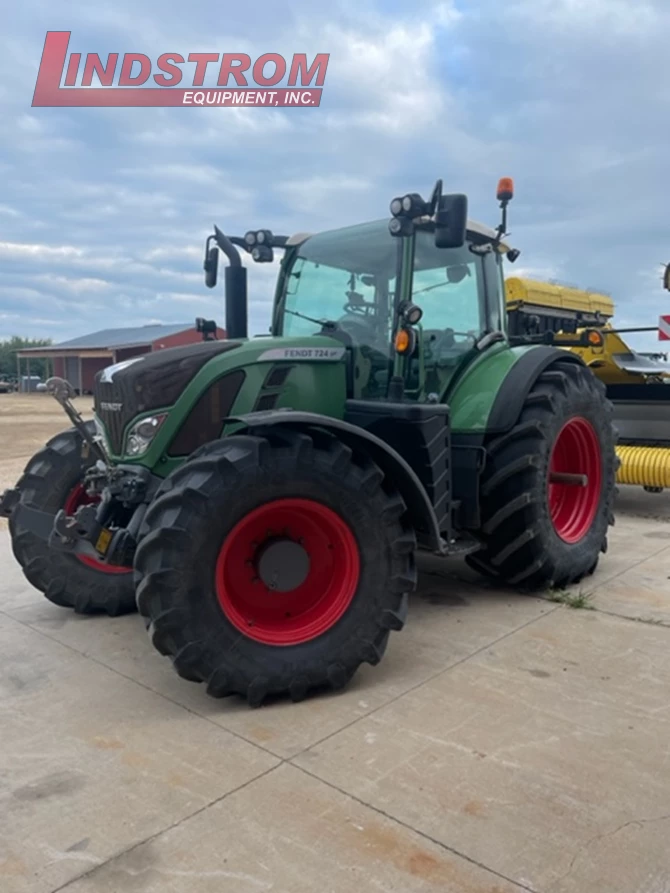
<point x="262" y="500"/>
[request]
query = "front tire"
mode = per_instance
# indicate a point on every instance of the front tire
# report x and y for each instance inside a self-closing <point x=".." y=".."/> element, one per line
<point x="274" y="564"/>
<point x="540" y="534"/>
<point x="52" y="480"/>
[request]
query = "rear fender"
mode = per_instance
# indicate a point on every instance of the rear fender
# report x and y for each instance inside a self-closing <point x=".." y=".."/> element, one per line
<point x="393" y="465"/>
<point x="518" y="382"/>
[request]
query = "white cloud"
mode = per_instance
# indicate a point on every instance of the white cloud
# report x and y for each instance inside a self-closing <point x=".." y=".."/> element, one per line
<point x="17" y="249"/>
<point x="75" y="286"/>
<point x="584" y="18"/>
<point x="308" y="194"/>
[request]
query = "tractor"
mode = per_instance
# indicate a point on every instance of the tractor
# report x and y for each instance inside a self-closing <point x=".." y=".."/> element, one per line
<point x="262" y="500"/>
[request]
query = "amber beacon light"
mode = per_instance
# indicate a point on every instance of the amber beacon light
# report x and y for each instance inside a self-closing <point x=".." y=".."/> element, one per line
<point x="505" y="191"/>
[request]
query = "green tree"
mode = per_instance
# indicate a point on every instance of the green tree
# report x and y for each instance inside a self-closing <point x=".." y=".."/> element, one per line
<point x="10" y="346"/>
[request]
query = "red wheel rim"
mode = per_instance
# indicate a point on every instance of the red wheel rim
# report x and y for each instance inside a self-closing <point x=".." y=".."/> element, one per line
<point x="573" y="508"/>
<point x="78" y="497"/>
<point x="325" y="573"/>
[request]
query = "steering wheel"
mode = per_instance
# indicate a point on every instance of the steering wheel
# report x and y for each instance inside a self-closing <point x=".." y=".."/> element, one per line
<point x="356" y="304"/>
<point x="356" y="309"/>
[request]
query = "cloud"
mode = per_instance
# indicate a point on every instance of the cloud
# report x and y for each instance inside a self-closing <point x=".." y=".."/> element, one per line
<point x="9" y="250"/>
<point x="306" y="195"/>
<point x="105" y="212"/>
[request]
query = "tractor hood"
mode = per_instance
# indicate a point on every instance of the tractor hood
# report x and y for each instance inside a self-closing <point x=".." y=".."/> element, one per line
<point x="152" y="381"/>
<point x="243" y="375"/>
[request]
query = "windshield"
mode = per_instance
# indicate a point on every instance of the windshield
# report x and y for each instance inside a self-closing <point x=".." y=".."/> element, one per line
<point x="348" y="276"/>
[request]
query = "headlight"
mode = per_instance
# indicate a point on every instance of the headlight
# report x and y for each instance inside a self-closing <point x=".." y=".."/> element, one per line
<point x="141" y="435"/>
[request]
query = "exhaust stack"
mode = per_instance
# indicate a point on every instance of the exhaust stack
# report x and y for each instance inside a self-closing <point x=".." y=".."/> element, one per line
<point x="235" y="283"/>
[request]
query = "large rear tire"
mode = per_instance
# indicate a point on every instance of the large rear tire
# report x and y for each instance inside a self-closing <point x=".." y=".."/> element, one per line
<point x="274" y="564"/>
<point x="52" y="481"/>
<point x="540" y="534"/>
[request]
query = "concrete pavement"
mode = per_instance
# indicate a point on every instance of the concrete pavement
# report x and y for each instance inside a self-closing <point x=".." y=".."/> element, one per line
<point x="504" y="743"/>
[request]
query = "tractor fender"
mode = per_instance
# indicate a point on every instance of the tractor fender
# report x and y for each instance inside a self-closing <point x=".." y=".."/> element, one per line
<point x="518" y="382"/>
<point x="393" y="465"/>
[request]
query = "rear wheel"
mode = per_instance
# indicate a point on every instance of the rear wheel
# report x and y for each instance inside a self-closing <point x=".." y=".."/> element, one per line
<point x="274" y="564"/>
<point x="549" y="483"/>
<point x="51" y="481"/>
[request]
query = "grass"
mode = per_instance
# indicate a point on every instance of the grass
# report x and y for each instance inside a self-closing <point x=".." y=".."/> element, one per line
<point x="577" y="600"/>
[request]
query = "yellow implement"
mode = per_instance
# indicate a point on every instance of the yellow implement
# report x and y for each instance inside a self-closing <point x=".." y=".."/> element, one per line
<point x="637" y="384"/>
<point x="556" y="301"/>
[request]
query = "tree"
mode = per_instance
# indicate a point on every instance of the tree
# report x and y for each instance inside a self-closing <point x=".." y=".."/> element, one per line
<point x="10" y="346"/>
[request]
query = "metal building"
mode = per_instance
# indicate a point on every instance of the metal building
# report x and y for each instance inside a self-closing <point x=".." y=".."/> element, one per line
<point x="81" y="358"/>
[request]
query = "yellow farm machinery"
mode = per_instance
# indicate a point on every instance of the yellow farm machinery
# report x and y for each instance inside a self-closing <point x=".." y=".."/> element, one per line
<point x="638" y="384"/>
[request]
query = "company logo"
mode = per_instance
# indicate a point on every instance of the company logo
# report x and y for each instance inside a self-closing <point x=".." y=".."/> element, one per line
<point x="134" y="79"/>
<point x="303" y="353"/>
<point x="111" y="407"/>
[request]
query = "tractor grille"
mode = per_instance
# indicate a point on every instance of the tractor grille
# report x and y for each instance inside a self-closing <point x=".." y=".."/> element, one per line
<point x="154" y="381"/>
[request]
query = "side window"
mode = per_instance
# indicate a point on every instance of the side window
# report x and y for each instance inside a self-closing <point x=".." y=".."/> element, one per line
<point x="449" y="298"/>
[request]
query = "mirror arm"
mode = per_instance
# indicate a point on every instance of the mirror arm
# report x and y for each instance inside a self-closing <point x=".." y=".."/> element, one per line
<point x="277" y="242"/>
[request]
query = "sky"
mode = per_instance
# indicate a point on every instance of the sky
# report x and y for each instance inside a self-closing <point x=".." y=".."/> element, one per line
<point x="104" y="212"/>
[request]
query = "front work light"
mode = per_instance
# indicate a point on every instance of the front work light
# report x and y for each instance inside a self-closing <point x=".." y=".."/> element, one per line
<point x="412" y="314"/>
<point x="410" y="206"/>
<point x="396" y="207"/>
<point x="414" y="206"/>
<point x="400" y="226"/>
<point x="262" y="254"/>
<point x="258" y="237"/>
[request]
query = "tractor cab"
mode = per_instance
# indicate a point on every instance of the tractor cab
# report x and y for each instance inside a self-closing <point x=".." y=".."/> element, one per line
<point x="413" y="300"/>
<point x="346" y="283"/>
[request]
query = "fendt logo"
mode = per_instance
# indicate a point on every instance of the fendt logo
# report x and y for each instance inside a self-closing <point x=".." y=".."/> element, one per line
<point x="67" y="81"/>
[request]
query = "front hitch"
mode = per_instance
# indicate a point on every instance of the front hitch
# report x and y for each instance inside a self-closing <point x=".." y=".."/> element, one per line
<point x="85" y="526"/>
<point x="61" y="532"/>
<point x="91" y="531"/>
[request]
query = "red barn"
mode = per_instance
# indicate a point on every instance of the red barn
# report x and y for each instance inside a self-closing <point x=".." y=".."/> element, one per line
<point x="80" y="359"/>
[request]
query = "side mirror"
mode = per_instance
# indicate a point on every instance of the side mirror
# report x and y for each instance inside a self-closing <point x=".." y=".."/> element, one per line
<point x="451" y="221"/>
<point x="211" y="266"/>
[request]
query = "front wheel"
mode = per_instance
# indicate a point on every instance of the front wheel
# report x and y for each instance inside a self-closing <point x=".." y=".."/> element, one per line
<point x="549" y="484"/>
<point x="274" y="564"/>
<point x="53" y="480"/>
